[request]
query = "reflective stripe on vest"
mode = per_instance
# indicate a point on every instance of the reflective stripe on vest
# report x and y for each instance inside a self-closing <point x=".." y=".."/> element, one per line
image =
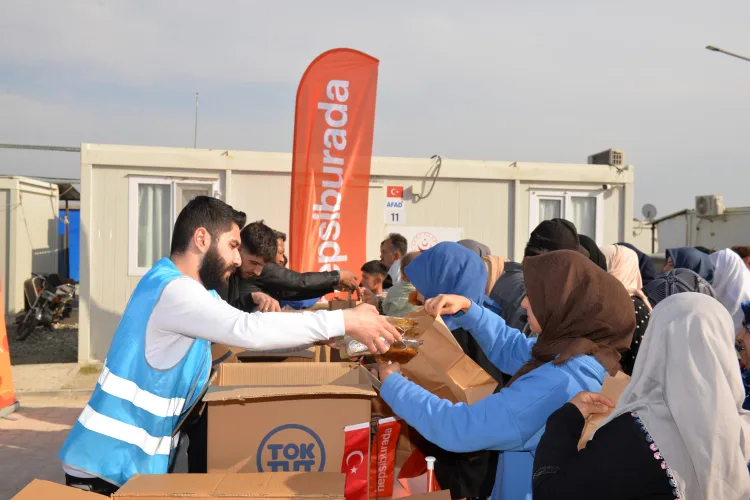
<point x="130" y="434"/>
<point x="129" y="391"/>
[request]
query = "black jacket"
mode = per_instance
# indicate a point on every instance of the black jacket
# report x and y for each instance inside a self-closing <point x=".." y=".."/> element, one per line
<point x="281" y="284"/>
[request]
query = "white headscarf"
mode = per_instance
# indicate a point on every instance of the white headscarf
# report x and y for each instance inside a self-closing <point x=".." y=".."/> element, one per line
<point x="731" y="283"/>
<point x="687" y="390"/>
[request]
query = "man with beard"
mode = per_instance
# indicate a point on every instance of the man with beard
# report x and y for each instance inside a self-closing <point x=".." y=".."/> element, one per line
<point x="159" y="362"/>
<point x="262" y="280"/>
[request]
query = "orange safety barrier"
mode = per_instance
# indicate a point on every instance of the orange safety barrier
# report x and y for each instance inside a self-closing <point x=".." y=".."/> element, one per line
<point x="8" y="403"/>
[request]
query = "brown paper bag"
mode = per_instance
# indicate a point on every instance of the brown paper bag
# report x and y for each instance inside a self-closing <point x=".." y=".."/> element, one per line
<point x="441" y="366"/>
<point x="347" y="303"/>
<point x="612" y="388"/>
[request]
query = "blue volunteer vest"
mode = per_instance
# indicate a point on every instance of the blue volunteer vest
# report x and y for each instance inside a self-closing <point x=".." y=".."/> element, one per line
<point x="127" y="426"/>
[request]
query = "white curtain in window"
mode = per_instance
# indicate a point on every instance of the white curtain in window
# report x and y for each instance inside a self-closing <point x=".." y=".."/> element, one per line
<point x="584" y="215"/>
<point x="549" y="209"/>
<point x="154" y="226"/>
<point x="187" y="194"/>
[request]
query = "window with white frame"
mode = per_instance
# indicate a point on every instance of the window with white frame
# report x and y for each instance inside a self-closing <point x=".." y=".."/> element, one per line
<point x="585" y="209"/>
<point x="153" y="206"/>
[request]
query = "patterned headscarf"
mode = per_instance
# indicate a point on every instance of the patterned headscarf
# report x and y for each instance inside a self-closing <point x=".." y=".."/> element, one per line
<point x="676" y="281"/>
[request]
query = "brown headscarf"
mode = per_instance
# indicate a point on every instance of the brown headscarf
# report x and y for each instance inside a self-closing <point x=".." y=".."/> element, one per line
<point x="495" y="266"/>
<point x="581" y="309"/>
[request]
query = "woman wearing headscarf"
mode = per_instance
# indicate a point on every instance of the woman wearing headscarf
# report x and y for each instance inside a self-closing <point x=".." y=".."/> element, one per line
<point x="622" y="263"/>
<point x="583" y="318"/>
<point x="648" y="273"/>
<point x="690" y="258"/>
<point x="676" y="281"/>
<point x="678" y="430"/>
<point x="452" y="268"/>
<point x="731" y="283"/>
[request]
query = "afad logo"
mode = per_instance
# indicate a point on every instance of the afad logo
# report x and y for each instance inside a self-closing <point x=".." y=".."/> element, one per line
<point x="423" y="241"/>
<point x="291" y="448"/>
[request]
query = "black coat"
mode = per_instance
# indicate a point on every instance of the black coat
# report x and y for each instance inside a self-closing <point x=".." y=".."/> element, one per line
<point x="281" y="284"/>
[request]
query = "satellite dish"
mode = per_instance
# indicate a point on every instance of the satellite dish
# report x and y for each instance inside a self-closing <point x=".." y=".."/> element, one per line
<point x="649" y="211"/>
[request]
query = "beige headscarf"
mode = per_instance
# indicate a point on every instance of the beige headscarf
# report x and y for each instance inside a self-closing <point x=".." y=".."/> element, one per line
<point x="687" y="390"/>
<point x="495" y="266"/>
<point x="622" y="263"/>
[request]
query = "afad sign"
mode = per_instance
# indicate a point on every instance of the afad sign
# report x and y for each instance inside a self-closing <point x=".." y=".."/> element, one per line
<point x="291" y="448"/>
<point x="333" y="131"/>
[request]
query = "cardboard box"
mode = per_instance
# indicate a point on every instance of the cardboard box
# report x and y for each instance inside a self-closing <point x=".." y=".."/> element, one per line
<point x="318" y="486"/>
<point x="442" y="367"/>
<point x="284" y="417"/>
<point x="38" y="489"/>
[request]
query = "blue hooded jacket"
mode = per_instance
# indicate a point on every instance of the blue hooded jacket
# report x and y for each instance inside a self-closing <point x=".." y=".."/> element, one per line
<point x="510" y="421"/>
<point x="450" y="268"/>
<point x="695" y="260"/>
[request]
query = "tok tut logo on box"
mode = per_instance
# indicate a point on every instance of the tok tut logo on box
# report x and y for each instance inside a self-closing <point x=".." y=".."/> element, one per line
<point x="291" y="448"/>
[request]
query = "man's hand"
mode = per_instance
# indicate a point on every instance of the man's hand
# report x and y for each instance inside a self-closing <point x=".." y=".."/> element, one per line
<point x="366" y="325"/>
<point x="386" y="369"/>
<point x="590" y="403"/>
<point x="347" y="280"/>
<point x="368" y="297"/>
<point x="265" y="303"/>
<point x="446" y="304"/>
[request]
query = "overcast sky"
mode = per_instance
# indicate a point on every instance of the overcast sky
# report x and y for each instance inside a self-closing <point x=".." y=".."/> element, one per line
<point x="544" y="80"/>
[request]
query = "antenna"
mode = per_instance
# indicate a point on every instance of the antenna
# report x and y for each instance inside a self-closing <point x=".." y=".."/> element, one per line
<point x="649" y="211"/>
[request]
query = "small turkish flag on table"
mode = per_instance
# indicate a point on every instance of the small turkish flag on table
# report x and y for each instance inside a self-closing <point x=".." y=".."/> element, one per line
<point x="356" y="465"/>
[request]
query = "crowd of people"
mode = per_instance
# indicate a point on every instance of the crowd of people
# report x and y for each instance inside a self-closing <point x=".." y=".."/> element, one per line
<point x="550" y="329"/>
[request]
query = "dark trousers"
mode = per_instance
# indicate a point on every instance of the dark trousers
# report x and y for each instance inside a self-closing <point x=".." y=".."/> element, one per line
<point x="197" y="452"/>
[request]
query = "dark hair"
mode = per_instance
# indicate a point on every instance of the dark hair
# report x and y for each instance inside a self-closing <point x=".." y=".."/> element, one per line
<point x="531" y="251"/>
<point x="279" y="235"/>
<point x="375" y="267"/>
<point x="398" y="243"/>
<point x="406" y="260"/>
<point x="204" y="211"/>
<point x="742" y="251"/>
<point x="259" y="240"/>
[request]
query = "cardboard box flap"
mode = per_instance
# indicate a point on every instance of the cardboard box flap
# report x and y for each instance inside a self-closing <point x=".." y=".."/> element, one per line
<point x="38" y="489"/>
<point x="220" y="485"/>
<point x="285" y="485"/>
<point x="286" y="374"/>
<point x="258" y="392"/>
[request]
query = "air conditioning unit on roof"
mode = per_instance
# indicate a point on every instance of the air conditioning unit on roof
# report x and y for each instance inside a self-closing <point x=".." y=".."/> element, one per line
<point x="614" y="157"/>
<point x="711" y="205"/>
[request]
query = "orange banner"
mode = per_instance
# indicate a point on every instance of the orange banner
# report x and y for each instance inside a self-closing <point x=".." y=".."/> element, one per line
<point x="7" y="394"/>
<point x="333" y="129"/>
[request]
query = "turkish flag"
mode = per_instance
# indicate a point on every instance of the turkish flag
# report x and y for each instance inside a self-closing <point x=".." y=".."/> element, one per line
<point x="356" y="463"/>
<point x="394" y="192"/>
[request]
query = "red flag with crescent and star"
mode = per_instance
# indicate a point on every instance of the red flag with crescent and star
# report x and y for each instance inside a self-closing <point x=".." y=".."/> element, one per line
<point x="356" y="463"/>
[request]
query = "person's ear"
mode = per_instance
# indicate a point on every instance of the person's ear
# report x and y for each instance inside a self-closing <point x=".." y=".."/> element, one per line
<point x="202" y="239"/>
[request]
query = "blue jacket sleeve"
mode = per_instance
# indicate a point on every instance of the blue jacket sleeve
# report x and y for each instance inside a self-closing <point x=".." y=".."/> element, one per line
<point x="505" y="347"/>
<point x="503" y="421"/>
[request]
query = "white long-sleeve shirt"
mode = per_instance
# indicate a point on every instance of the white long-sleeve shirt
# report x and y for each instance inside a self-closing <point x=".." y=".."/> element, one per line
<point x="186" y="311"/>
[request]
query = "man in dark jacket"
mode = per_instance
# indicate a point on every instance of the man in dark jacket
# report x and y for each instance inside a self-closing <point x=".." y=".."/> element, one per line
<point x="260" y="282"/>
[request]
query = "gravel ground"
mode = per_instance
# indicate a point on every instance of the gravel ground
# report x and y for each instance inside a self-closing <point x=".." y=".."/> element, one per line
<point x="45" y="346"/>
